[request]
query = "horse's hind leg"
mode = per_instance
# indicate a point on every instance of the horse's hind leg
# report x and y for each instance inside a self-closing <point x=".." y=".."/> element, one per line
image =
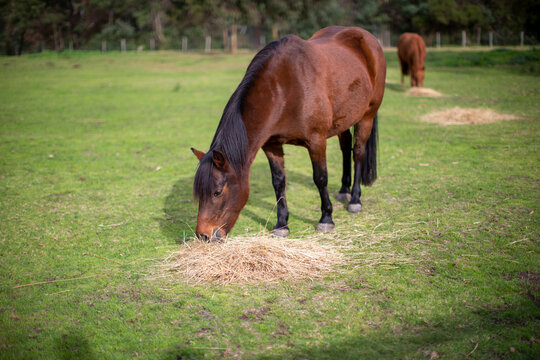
<point x="317" y="153"/>
<point x="345" y="142"/>
<point x="274" y="153"/>
<point x="362" y="131"/>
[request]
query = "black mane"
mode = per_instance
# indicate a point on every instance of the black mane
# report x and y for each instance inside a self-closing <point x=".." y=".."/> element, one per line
<point x="230" y="138"/>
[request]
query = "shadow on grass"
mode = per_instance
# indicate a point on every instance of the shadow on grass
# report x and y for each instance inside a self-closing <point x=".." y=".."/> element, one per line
<point x="508" y="332"/>
<point x="180" y="212"/>
<point x="502" y="332"/>
<point x="74" y="345"/>
<point x="395" y="87"/>
<point x="261" y="187"/>
<point x="184" y="353"/>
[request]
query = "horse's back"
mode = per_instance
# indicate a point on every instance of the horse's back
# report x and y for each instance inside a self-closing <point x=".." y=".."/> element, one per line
<point x="321" y="86"/>
<point x="360" y="42"/>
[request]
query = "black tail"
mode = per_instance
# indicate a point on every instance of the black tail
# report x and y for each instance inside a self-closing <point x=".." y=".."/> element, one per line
<point x="404" y="68"/>
<point x="369" y="164"/>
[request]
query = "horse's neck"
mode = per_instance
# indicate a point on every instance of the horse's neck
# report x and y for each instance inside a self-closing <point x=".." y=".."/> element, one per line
<point x="256" y="139"/>
<point x="253" y="148"/>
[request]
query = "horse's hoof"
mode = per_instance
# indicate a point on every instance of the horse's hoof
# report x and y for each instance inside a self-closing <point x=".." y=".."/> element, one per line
<point x="281" y="232"/>
<point x="325" y="227"/>
<point x="354" y="208"/>
<point x="343" y="197"/>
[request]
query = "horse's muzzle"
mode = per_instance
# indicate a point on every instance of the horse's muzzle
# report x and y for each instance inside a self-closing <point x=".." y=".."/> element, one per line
<point x="216" y="236"/>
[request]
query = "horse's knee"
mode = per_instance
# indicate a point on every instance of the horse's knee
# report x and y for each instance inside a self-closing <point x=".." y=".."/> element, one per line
<point x="320" y="179"/>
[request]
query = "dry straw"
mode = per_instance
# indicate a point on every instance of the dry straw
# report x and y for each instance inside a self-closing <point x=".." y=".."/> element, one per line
<point x="460" y="116"/>
<point x="252" y="259"/>
<point x="423" y="92"/>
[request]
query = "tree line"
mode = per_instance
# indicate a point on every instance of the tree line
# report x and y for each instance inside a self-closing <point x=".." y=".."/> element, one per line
<point x="34" y="25"/>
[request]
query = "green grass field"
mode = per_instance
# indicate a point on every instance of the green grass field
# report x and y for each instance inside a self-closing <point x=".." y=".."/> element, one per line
<point x="95" y="192"/>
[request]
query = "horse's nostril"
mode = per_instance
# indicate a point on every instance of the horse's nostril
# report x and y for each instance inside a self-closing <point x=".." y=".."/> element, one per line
<point x="217" y="234"/>
<point x="204" y="237"/>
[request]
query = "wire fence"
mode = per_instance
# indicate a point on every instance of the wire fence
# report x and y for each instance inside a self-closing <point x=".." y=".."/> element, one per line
<point x="251" y="38"/>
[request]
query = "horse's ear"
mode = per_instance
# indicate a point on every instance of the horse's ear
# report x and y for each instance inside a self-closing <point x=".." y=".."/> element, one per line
<point x="198" y="154"/>
<point x="218" y="159"/>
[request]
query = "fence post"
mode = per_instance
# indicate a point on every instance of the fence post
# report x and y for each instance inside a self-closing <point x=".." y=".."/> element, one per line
<point x="262" y="41"/>
<point x="70" y="46"/>
<point x="275" y="31"/>
<point x="152" y="44"/>
<point x="207" y="43"/>
<point x="225" y="39"/>
<point x="104" y="46"/>
<point x="438" y="39"/>
<point x="522" y="38"/>
<point x="234" y="43"/>
<point x="491" y="39"/>
<point x="184" y="43"/>
<point x="42" y="46"/>
<point x="123" y="45"/>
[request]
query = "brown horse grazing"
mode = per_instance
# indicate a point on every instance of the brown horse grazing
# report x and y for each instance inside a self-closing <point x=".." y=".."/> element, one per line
<point x="412" y="54"/>
<point x="295" y="92"/>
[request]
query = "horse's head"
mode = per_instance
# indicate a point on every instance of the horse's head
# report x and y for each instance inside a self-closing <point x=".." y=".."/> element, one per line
<point x="420" y="76"/>
<point x="221" y="192"/>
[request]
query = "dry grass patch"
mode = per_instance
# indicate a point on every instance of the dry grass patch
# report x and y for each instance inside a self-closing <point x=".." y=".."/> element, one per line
<point x="252" y="259"/>
<point x="423" y="92"/>
<point x="460" y="116"/>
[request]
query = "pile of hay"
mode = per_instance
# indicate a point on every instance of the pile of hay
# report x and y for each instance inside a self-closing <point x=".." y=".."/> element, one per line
<point x="423" y="92"/>
<point x="252" y="259"/>
<point x="460" y="116"/>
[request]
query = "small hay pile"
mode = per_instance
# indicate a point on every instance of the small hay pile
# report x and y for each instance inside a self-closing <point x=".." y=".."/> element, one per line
<point x="460" y="116"/>
<point x="252" y="259"/>
<point x="423" y="92"/>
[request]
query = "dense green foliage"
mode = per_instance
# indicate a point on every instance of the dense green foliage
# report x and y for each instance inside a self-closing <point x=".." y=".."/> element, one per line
<point x="30" y="25"/>
<point x="95" y="186"/>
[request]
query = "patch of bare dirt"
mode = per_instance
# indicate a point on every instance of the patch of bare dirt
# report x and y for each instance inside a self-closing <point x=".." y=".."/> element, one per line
<point x="255" y="314"/>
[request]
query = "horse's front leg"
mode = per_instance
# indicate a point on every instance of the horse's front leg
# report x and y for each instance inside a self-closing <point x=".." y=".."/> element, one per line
<point x="317" y="152"/>
<point x="274" y="153"/>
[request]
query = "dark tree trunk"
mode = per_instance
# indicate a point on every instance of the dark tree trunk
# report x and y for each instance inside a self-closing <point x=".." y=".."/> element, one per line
<point x="20" y="45"/>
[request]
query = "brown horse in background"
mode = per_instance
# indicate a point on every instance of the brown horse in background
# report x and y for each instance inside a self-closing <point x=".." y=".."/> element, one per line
<point x="412" y="55"/>
<point x="295" y="92"/>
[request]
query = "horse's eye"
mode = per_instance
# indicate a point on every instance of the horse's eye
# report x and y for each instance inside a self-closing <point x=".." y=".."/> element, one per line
<point x="217" y="193"/>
